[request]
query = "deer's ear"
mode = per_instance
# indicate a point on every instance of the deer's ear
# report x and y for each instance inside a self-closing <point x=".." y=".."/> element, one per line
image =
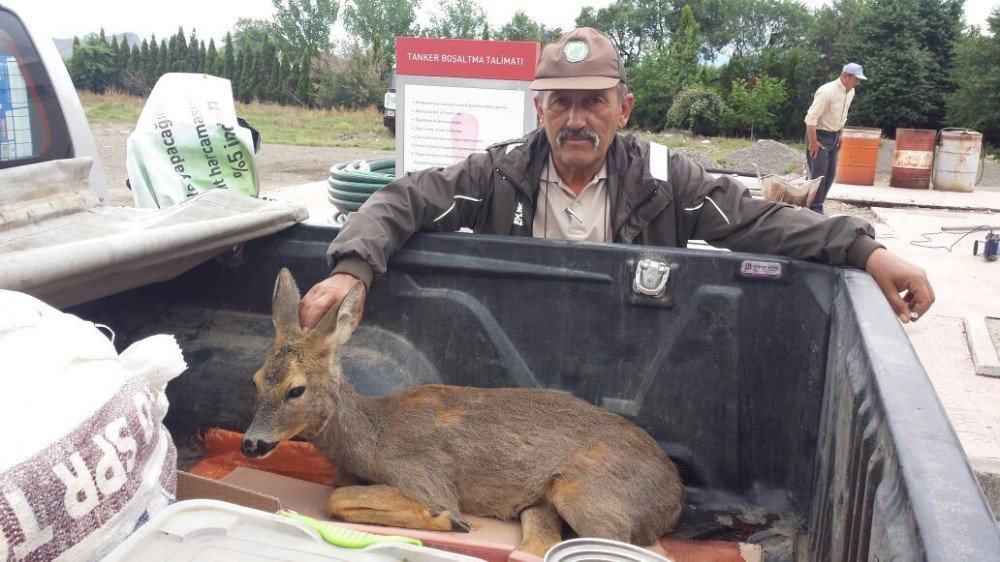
<point x="285" y="306"/>
<point x="337" y="325"/>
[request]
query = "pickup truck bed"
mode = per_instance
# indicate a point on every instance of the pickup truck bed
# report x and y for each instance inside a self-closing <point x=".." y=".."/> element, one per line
<point x="794" y="405"/>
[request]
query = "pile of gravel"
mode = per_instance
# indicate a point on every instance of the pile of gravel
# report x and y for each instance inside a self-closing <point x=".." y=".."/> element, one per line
<point x="771" y="156"/>
<point x="697" y="156"/>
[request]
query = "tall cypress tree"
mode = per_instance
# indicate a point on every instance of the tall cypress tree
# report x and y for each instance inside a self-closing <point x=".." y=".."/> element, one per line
<point x="279" y="89"/>
<point x="202" y="57"/>
<point x="151" y="65"/>
<point x="289" y="83"/>
<point x="163" y="65"/>
<point x="682" y="54"/>
<point x="239" y="91"/>
<point x="178" y="50"/>
<point x="135" y="61"/>
<point x="211" y="56"/>
<point x="267" y="63"/>
<point x="124" y="51"/>
<point x="303" y="87"/>
<point x="228" y="58"/>
<point x="251" y="71"/>
<point x="115" y="77"/>
<point x="195" y="53"/>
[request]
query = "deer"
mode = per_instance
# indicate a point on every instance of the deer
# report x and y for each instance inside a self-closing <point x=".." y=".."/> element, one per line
<point x="425" y="456"/>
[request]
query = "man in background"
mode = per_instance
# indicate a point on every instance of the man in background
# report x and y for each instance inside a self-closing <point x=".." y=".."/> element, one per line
<point x="824" y="122"/>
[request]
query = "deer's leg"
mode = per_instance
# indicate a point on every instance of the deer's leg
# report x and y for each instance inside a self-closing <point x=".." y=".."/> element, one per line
<point x="592" y="494"/>
<point x="342" y="479"/>
<point x="383" y="505"/>
<point x="589" y="512"/>
<point x="541" y="529"/>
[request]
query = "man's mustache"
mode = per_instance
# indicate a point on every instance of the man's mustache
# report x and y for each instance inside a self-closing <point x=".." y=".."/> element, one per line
<point x="583" y="133"/>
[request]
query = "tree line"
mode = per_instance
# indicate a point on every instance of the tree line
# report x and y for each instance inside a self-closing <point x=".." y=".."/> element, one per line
<point x="751" y="67"/>
<point x="735" y="67"/>
<point x="256" y="71"/>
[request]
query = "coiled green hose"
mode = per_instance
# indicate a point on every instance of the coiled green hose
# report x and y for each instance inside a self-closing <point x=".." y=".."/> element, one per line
<point x="353" y="182"/>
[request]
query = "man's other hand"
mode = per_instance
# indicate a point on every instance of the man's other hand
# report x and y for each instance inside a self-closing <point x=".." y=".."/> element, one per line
<point x="814" y="147"/>
<point x="325" y="295"/>
<point x="905" y="285"/>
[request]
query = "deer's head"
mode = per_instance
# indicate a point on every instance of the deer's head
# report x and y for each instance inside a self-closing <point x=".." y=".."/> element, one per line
<point x="297" y="385"/>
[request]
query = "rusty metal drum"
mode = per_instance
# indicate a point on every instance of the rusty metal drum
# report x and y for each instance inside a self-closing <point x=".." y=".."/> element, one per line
<point x="956" y="164"/>
<point x="858" y="155"/>
<point x="913" y="158"/>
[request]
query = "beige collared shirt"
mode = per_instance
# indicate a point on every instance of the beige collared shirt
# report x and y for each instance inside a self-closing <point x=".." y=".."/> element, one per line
<point x="829" y="107"/>
<point x="561" y="215"/>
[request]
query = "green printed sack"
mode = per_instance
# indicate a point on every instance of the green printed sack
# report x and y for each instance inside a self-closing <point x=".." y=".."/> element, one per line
<point x="188" y="141"/>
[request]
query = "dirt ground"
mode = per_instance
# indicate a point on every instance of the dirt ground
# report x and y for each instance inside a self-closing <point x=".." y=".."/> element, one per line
<point x="284" y="165"/>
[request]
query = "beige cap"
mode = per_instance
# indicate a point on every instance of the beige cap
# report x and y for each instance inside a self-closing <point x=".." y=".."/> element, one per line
<point x="583" y="59"/>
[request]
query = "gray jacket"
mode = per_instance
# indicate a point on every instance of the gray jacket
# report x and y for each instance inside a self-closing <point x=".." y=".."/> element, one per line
<point x="658" y="197"/>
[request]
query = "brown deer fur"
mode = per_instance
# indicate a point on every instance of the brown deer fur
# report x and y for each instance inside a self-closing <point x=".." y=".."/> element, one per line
<point x="435" y="452"/>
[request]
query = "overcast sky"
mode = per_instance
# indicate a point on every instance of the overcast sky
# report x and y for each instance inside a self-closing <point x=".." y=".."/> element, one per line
<point x="212" y="18"/>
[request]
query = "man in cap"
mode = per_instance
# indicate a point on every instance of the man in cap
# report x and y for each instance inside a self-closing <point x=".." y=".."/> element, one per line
<point x="824" y="123"/>
<point x="577" y="178"/>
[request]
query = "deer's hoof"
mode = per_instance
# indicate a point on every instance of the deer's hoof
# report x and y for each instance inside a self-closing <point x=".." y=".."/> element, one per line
<point x="459" y="525"/>
<point x="444" y="520"/>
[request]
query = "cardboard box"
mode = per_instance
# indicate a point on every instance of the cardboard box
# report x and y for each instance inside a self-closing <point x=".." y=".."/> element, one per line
<point x="489" y="539"/>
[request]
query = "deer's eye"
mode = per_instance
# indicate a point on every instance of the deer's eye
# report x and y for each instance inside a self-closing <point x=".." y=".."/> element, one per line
<point x="295" y="392"/>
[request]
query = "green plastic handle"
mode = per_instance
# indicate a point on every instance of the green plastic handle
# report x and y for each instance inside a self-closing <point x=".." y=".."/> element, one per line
<point x="344" y="537"/>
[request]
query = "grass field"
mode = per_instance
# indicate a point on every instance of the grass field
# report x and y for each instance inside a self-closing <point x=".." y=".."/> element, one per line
<point x="716" y="148"/>
<point x="318" y="127"/>
<point x="277" y="124"/>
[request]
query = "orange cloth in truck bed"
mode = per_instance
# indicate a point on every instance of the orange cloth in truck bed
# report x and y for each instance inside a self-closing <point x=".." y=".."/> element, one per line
<point x="295" y="459"/>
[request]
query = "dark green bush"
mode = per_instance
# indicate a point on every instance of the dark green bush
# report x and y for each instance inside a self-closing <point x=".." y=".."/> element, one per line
<point x="698" y="110"/>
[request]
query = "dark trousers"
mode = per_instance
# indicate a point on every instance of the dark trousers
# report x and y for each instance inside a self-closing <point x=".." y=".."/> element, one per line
<point x="823" y="164"/>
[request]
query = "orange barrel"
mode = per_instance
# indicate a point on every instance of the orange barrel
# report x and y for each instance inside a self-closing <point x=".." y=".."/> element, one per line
<point x="956" y="165"/>
<point x="913" y="158"/>
<point x="858" y="155"/>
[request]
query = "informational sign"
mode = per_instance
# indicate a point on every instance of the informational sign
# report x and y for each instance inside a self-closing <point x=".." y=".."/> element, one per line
<point x="445" y="124"/>
<point x="463" y="58"/>
<point x="455" y="97"/>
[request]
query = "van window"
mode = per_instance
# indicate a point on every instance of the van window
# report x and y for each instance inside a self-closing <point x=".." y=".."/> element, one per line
<point x="32" y="128"/>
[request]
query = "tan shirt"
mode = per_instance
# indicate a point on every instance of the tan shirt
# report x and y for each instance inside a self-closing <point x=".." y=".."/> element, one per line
<point x="561" y="215"/>
<point x="829" y="107"/>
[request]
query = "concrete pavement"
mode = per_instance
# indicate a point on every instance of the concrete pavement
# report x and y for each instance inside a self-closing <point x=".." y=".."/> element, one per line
<point x="964" y="285"/>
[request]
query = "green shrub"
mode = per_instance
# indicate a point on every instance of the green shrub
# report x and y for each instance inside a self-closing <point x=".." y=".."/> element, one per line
<point x="754" y="106"/>
<point x="353" y="80"/>
<point x="698" y="110"/>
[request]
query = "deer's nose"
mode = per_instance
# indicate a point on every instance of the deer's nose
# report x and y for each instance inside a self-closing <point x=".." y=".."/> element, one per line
<point x="256" y="448"/>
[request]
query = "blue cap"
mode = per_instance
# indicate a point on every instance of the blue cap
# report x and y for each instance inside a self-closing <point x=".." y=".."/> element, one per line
<point x="855" y="69"/>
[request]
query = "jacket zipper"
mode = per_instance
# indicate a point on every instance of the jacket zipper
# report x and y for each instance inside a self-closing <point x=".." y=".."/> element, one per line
<point x="649" y="197"/>
<point x="516" y="185"/>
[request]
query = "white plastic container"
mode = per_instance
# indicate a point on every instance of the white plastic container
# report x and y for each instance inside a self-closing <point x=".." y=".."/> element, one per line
<point x="600" y="550"/>
<point x="212" y="530"/>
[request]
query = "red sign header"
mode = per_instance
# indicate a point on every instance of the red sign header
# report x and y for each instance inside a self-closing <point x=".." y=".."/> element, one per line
<point x="465" y="58"/>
